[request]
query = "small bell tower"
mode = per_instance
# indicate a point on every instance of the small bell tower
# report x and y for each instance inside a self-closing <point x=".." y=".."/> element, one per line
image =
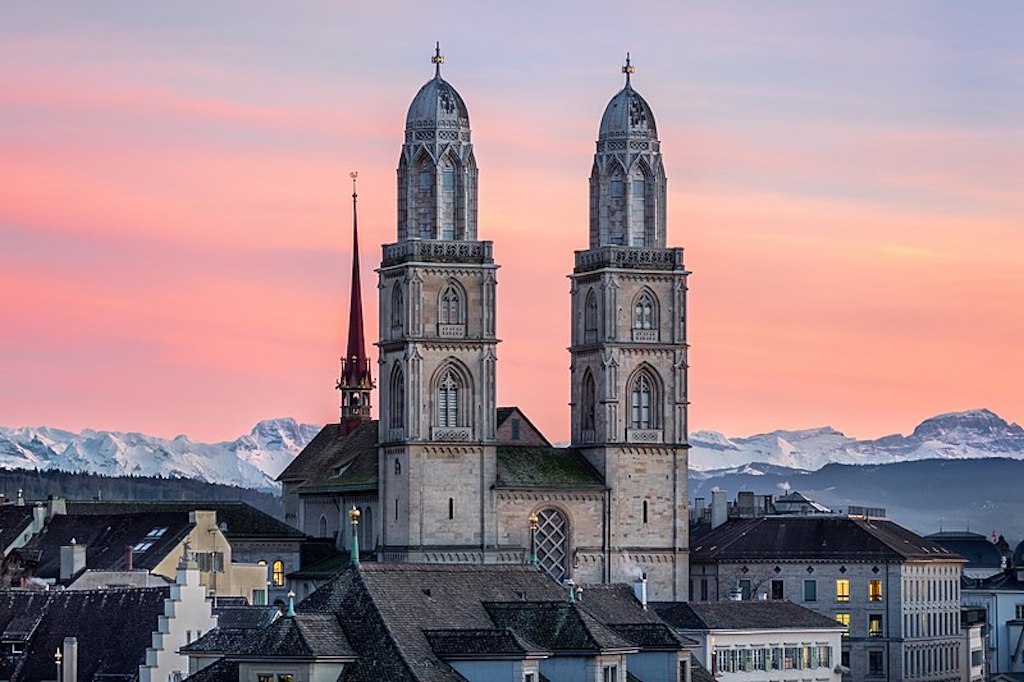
<point x="356" y="380"/>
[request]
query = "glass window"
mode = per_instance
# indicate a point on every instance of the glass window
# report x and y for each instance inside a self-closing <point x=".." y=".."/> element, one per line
<point x="642" y="399"/>
<point x="611" y="673"/>
<point x="644" y="310"/>
<point x="842" y="589"/>
<point x="590" y="317"/>
<point x="746" y="587"/>
<point x="875" y="625"/>
<point x="778" y="591"/>
<point x="876" y="663"/>
<point x="776" y="659"/>
<point x="450" y="311"/>
<point x="277" y="573"/>
<point x="810" y="590"/>
<point x="551" y="543"/>
<point x="589" y="401"/>
<point x="397" y="399"/>
<point x="639" y="188"/>
<point x="265" y="678"/>
<point x="875" y="590"/>
<point x="616" y="188"/>
<point x="425" y="180"/>
<point x="844" y="619"/>
<point x="448" y="180"/>
<point x="448" y="400"/>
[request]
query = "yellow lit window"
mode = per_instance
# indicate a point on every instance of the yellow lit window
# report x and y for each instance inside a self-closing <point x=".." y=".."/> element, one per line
<point x="844" y="619"/>
<point x="875" y="590"/>
<point x="278" y="573"/>
<point x="843" y="590"/>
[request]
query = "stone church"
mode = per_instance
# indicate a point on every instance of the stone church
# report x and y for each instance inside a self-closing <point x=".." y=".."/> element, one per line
<point x="447" y="476"/>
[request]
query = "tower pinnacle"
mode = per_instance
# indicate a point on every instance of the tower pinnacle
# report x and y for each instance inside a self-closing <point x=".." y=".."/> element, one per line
<point x="628" y="69"/>
<point x="356" y="381"/>
<point x="437" y="59"/>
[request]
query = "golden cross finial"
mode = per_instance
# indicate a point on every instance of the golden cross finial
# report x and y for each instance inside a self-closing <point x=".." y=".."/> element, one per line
<point x="438" y="58"/>
<point x="628" y="69"/>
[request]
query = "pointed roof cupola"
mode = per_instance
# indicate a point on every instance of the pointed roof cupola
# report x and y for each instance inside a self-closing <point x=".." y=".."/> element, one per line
<point x="356" y="381"/>
<point x="628" y="115"/>
<point x="437" y="175"/>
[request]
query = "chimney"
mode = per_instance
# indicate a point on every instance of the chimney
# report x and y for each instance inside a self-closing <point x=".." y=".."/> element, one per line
<point x="55" y="505"/>
<point x="21" y="498"/>
<point x="38" y="517"/>
<point x="70" y="670"/>
<point x="129" y="556"/>
<point x="698" y="509"/>
<point x="72" y="560"/>
<point x="640" y="590"/>
<point x="719" y="508"/>
<point x="745" y="502"/>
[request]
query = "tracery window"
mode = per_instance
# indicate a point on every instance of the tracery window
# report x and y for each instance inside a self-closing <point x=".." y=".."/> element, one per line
<point x="397" y="406"/>
<point x="642" y="399"/>
<point x="323" y="526"/>
<point x="590" y="317"/>
<point x="451" y="305"/>
<point x="645" y="311"/>
<point x="552" y="543"/>
<point x="588" y="400"/>
<point x="448" y="399"/>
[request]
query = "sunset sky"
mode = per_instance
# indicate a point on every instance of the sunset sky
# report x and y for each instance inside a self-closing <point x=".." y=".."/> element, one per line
<point x="847" y="180"/>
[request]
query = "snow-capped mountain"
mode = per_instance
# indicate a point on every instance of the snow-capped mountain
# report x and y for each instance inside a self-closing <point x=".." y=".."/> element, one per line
<point x="955" y="435"/>
<point x="252" y="461"/>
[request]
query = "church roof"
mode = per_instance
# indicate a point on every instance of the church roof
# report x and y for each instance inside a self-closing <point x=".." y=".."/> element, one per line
<point x="334" y="460"/>
<point x="628" y="115"/>
<point x="545" y="467"/>
<point x="437" y="104"/>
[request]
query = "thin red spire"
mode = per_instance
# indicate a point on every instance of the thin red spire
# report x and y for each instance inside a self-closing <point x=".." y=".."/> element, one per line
<point x="356" y="381"/>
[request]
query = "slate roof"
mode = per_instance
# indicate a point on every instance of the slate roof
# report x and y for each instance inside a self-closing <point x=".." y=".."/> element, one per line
<point x="545" y="467"/>
<point x="332" y="462"/>
<point x="323" y="569"/>
<point x="219" y="671"/>
<point x="14" y="519"/>
<point x="113" y="628"/>
<point x="243" y="520"/>
<point x="105" y="538"/>
<point x="979" y="551"/>
<point x="481" y="643"/>
<point x="743" y="615"/>
<point x="616" y="605"/>
<point x="817" y="539"/>
<point x="234" y="625"/>
<point x="698" y="673"/>
<point x="557" y="625"/>
<point x="304" y="635"/>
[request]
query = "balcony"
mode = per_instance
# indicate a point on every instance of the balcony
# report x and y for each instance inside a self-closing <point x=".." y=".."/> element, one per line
<point x="629" y="258"/>
<point x="437" y="251"/>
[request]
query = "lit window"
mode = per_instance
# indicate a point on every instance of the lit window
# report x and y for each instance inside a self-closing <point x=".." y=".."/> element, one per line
<point x="842" y="590"/>
<point x="844" y="619"/>
<point x="265" y="678"/>
<point x="277" y="573"/>
<point x="875" y="625"/>
<point x="875" y="590"/>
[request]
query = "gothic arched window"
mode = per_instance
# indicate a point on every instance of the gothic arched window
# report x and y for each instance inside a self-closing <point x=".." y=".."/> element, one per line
<point x="590" y="317"/>
<point x="552" y="543"/>
<point x="448" y="390"/>
<point x="589" y="401"/>
<point x="397" y="307"/>
<point x="423" y="198"/>
<point x="397" y="404"/>
<point x="452" y="305"/>
<point x="323" y="526"/>
<point x="645" y="311"/>
<point x="643" y="402"/>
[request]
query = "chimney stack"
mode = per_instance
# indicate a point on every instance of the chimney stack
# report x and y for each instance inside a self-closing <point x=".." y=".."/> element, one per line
<point x="72" y="560"/>
<point x="640" y="590"/>
<point x="129" y="557"/>
<point x="70" y="670"/>
<point x="719" y="508"/>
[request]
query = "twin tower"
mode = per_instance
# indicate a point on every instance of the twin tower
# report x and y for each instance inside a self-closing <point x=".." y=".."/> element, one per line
<point x="445" y="489"/>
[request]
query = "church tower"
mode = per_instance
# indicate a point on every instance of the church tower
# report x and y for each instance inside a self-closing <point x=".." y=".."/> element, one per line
<point x="356" y="380"/>
<point x="437" y="346"/>
<point x="628" y="348"/>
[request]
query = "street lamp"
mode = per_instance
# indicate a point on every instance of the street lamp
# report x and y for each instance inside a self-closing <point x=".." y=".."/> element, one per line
<point x="57" y="658"/>
<point x="353" y="514"/>
<point x="533" y="538"/>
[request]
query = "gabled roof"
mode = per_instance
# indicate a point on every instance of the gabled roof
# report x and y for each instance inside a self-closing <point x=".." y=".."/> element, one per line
<point x="105" y="538"/>
<point x="481" y="643"/>
<point x="558" y="626"/>
<point x="240" y="519"/>
<point x="815" y="539"/>
<point x="113" y="628"/>
<point x="525" y="433"/>
<point x="333" y="462"/>
<point x="743" y="615"/>
<point x="616" y="605"/>
<point x="979" y="551"/>
<point x="304" y="635"/>
<point x="545" y="467"/>
<point x="14" y="519"/>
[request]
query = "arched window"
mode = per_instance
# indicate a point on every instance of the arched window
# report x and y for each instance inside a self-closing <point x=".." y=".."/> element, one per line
<point x="277" y="573"/>
<point x="589" y="401"/>
<point x="552" y="543"/>
<point x="451" y="305"/>
<point x="366" y="522"/>
<point x="448" y="390"/>
<point x="397" y="404"/>
<point x="590" y="317"/>
<point x="323" y="526"/>
<point x="645" y="311"/>
<point x="423" y="198"/>
<point x="643" y="394"/>
<point x="397" y="307"/>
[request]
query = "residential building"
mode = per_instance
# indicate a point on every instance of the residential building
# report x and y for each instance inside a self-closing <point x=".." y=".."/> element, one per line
<point x="1002" y="598"/>
<point x="759" y="641"/>
<point x="984" y="559"/>
<point x="897" y="593"/>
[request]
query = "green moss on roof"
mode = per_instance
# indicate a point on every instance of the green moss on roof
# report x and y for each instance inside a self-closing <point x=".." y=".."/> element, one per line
<point x="536" y="467"/>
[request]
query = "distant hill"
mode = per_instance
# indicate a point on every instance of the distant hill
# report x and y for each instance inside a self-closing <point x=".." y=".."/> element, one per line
<point x="38" y="485"/>
<point x="924" y="495"/>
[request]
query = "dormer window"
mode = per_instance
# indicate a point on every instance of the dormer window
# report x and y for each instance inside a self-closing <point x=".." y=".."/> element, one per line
<point x="156" y="532"/>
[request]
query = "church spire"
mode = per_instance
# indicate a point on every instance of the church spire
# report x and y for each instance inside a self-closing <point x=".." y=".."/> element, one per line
<point x="356" y="381"/>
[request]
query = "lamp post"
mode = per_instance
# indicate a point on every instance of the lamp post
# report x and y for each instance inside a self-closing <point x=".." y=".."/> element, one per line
<point x="57" y="658"/>
<point x="353" y="514"/>
<point x="533" y="538"/>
